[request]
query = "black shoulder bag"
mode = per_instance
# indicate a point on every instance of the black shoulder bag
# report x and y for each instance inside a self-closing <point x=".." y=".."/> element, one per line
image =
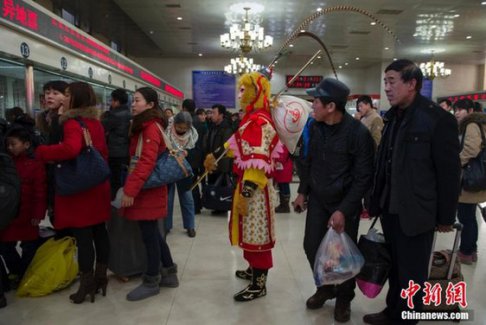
<point x="474" y="172"/>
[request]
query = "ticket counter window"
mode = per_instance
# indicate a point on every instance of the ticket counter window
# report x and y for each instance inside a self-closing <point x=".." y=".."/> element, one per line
<point x="12" y="86"/>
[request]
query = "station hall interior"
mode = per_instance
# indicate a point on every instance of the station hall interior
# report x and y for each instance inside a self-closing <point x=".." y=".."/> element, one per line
<point x="178" y="47"/>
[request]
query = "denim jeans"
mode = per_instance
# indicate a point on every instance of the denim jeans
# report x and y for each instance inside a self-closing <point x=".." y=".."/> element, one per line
<point x="187" y="207"/>
<point x="156" y="247"/>
<point x="466" y="213"/>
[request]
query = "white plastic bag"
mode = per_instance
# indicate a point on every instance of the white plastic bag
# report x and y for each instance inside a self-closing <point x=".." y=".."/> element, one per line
<point x="290" y="117"/>
<point x="337" y="259"/>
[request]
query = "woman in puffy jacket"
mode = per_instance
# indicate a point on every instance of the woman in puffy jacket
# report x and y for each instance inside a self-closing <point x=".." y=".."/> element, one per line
<point x="84" y="213"/>
<point x="146" y="206"/>
<point x="470" y="123"/>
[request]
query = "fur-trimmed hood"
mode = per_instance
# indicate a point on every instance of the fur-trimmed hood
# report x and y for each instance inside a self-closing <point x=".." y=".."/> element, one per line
<point x="144" y="117"/>
<point x="472" y="118"/>
<point x="88" y="112"/>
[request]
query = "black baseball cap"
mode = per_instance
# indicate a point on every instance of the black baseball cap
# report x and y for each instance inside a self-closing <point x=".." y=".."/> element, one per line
<point x="331" y="88"/>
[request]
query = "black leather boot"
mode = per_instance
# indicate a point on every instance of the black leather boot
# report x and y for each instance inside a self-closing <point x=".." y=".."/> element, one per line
<point x="322" y="294"/>
<point x="284" y="206"/>
<point x="244" y="274"/>
<point x="87" y="286"/>
<point x="256" y="289"/>
<point x="100" y="278"/>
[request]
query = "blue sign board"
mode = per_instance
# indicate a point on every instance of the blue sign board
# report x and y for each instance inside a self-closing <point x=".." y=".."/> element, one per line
<point x="213" y="87"/>
<point x="426" y="90"/>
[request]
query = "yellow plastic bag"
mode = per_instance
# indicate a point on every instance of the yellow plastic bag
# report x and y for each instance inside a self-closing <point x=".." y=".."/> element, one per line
<point x="54" y="267"/>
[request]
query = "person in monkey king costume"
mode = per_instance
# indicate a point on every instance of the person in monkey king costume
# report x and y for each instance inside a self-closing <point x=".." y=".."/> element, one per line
<point x="254" y="146"/>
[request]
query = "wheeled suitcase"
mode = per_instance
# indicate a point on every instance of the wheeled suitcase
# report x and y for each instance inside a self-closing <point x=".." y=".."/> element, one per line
<point x="445" y="269"/>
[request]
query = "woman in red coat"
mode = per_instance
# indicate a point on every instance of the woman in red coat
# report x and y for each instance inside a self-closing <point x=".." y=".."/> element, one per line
<point x="283" y="176"/>
<point x="33" y="204"/>
<point x="148" y="205"/>
<point x="86" y="212"/>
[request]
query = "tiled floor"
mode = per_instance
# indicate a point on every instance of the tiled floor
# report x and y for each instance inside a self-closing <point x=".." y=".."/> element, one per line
<point x="207" y="284"/>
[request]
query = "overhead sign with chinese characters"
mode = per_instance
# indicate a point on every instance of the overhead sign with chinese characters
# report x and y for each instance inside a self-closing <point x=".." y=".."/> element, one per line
<point x="213" y="87"/>
<point x="25" y="15"/>
<point x="303" y="81"/>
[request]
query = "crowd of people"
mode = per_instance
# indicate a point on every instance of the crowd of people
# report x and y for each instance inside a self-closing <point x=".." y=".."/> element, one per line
<point x="404" y="167"/>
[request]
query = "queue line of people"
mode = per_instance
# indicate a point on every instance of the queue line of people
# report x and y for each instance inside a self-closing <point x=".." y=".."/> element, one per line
<point x="414" y="182"/>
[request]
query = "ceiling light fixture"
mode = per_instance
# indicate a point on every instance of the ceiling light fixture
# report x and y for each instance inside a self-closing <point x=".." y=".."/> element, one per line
<point x="246" y="36"/>
<point x="468" y="37"/>
<point x="179" y="18"/>
<point x="241" y="65"/>
<point x="387" y="48"/>
<point x="319" y="9"/>
<point x="434" y="69"/>
<point x="200" y="54"/>
<point x="373" y="23"/>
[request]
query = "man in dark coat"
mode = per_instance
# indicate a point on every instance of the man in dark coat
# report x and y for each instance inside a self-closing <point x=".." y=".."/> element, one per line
<point x="215" y="140"/>
<point x="416" y="184"/>
<point x="116" y="122"/>
<point x="335" y="175"/>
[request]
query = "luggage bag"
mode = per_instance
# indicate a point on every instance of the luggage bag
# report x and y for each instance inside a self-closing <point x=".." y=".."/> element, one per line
<point x="444" y="268"/>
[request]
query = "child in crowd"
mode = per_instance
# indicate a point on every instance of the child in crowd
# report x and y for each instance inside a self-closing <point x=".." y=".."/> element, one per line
<point x="25" y="227"/>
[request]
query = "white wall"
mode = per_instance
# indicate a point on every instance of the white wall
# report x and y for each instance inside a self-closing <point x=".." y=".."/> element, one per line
<point x="464" y="78"/>
<point x="178" y="72"/>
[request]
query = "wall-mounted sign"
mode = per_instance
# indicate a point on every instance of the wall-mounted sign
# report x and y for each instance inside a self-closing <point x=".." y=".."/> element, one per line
<point x="426" y="90"/>
<point x="480" y="96"/>
<point x="64" y="63"/>
<point x="213" y="87"/>
<point x="303" y="81"/>
<point x="25" y="50"/>
<point x="25" y="15"/>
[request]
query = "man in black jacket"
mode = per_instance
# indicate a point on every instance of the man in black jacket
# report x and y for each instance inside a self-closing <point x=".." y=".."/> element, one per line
<point x="335" y="176"/>
<point x="215" y="140"/>
<point x="416" y="184"/>
<point x="116" y="122"/>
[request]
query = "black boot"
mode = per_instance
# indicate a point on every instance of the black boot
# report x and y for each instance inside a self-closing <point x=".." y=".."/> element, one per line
<point x="87" y="286"/>
<point x="284" y="204"/>
<point x="256" y="289"/>
<point x="100" y="277"/>
<point x="244" y="274"/>
<point x="322" y="294"/>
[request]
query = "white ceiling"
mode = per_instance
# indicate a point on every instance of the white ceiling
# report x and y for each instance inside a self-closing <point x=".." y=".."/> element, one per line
<point x="346" y="34"/>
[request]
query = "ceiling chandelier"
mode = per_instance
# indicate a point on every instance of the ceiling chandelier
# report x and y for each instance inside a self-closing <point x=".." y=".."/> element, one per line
<point x="246" y="36"/>
<point x="434" y="69"/>
<point x="241" y="65"/>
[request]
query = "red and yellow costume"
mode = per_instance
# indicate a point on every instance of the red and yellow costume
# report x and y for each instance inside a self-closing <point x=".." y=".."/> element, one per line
<point x="254" y="147"/>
